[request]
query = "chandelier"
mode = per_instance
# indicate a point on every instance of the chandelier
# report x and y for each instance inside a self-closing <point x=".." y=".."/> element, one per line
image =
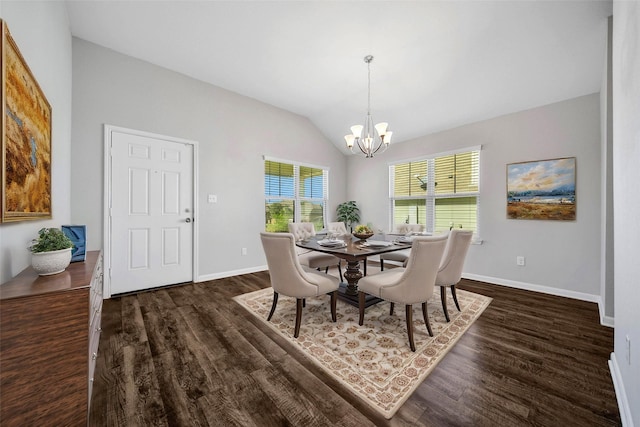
<point x="368" y="143"/>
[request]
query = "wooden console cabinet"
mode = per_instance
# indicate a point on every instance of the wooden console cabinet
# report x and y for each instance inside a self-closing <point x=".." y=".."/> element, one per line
<point x="49" y="333"/>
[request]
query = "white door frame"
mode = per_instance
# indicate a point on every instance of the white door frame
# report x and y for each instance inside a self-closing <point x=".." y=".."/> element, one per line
<point x="106" y="237"/>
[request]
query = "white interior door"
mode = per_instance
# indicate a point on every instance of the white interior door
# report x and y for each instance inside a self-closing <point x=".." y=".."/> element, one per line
<point x="151" y="214"/>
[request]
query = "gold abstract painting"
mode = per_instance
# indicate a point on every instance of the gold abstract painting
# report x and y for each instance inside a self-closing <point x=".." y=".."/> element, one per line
<point x="26" y="139"/>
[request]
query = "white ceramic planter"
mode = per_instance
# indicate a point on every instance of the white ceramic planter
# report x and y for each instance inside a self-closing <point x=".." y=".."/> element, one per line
<point x="54" y="262"/>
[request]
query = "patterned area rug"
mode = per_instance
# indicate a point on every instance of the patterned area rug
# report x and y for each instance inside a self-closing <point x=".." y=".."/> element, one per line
<point x="374" y="360"/>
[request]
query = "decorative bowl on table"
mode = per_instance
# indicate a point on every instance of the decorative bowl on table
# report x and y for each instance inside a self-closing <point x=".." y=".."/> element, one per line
<point x="363" y="236"/>
<point x="362" y="232"/>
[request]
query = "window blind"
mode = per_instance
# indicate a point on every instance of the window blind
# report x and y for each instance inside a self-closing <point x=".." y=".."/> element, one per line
<point x="294" y="193"/>
<point x="440" y="192"/>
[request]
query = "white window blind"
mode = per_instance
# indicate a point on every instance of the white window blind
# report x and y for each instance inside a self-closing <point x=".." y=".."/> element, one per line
<point x="294" y="193"/>
<point x="440" y="192"/>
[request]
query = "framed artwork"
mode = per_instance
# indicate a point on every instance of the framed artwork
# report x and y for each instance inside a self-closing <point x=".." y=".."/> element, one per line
<point x="542" y="189"/>
<point x="26" y="139"/>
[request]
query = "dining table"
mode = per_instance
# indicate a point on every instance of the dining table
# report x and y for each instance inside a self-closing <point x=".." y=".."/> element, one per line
<point x="353" y="251"/>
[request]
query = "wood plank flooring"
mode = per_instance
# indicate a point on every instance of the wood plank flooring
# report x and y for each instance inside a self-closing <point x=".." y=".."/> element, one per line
<point x="189" y="356"/>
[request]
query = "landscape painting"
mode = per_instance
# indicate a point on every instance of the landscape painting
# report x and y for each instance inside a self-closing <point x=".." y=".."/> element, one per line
<point x="26" y="139"/>
<point x="544" y="189"/>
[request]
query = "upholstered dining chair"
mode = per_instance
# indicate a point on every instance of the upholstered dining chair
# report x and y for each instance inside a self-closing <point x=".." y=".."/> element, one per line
<point x="403" y="255"/>
<point x="337" y="228"/>
<point x="398" y="256"/>
<point x="290" y="278"/>
<point x="408" y="285"/>
<point x="312" y="259"/>
<point x="450" y="271"/>
<point x="408" y="228"/>
<point x="341" y="229"/>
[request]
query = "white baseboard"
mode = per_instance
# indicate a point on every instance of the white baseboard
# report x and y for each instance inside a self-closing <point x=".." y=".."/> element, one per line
<point x="231" y="273"/>
<point x="604" y="320"/>
<point x="533" y="287"/>
<point x="621" y="395"/>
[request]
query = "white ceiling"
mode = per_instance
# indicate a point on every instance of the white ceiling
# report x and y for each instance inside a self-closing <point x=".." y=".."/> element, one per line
<point x="438" y="64"/>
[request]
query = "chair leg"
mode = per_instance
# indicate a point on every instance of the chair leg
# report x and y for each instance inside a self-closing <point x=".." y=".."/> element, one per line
<point x="340" y="270"/>
<point x="455" y="297"/>
<point x="273" y="306"/>
<point x="391" y="309"/>
<point x="426" y="318"/>
<point x="304" y="302"/>
<point x="296" y="330"/>
<point x="326" y="270"/>
<point x="381" y="264"/>
<point x="443" y="297"/>
<point x="334" y="299"/>
<point x="365" y="266"/>
<point x="409" y="310"/>
<point x="361" y="307"/>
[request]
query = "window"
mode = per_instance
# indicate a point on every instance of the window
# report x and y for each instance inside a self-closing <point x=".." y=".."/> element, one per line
<point x="294" y="193"/>
<point x="439" y="192"/>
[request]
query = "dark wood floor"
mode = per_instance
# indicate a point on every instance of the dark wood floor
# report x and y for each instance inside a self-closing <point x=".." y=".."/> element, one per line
<point x="189" y="356"/>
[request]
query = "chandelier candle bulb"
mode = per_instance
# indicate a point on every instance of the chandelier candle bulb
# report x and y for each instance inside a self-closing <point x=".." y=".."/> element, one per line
<point x="382" y="128"/>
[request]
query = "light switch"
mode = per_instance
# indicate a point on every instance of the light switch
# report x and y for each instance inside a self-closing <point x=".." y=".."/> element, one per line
<point x="213" y="198"/>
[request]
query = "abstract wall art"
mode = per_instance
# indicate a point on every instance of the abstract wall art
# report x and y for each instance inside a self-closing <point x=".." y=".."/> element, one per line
<point x="26" y="139"/>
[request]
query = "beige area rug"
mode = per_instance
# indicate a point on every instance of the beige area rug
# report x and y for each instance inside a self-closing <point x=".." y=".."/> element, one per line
<point x="374" y="360"/>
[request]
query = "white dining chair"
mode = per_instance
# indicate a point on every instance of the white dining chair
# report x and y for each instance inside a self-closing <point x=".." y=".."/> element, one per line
<point x="408" y="285"/>
<point x="313" y="259"/>
<point x="450" y="271"/>
<point x="403" y="255"/>
<point x="337" y="228"/>
<point x="290" y="278"/>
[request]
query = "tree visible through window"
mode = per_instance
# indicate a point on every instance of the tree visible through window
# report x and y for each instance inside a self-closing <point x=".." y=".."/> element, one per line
<point x="441" y="192"/>
<point x="294" y="193"/>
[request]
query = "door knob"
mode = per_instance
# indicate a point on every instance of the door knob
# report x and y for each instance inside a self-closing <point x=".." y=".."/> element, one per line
<point x="187" y="220"/>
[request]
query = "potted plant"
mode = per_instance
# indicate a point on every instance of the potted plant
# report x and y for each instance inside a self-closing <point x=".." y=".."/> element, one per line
<point x="50" y="252"/>
<point x="348" y="213"/>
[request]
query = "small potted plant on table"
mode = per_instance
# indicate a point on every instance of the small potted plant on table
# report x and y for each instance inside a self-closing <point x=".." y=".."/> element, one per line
<point x="50" y="252"/>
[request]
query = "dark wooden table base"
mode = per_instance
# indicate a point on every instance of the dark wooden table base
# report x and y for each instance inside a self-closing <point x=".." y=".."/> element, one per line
<point x="353" y="299"/>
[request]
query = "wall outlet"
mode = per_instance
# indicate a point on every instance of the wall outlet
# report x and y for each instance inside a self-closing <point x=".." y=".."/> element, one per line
<point x="628" y="352"/>
<point x="244" y="251"/>
<point x="520" y="261"/>
<point x="212" y="198"/>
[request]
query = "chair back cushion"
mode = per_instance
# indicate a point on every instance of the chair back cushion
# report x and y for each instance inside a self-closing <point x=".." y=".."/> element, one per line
<point x="409" y="228"/>
<point x="418" y="279"/>
<point x="337" y="227"/>
<point x="450" y="271"/>
<point x="302" y="230"/>
<point x="287" y="275"/>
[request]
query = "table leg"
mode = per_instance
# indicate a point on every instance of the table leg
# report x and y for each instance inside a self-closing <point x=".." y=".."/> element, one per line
<point x="349" y="292"/>
<point x="352" y="275"/>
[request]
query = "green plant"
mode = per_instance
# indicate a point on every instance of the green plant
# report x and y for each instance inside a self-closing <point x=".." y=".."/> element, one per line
<point x="348" y="213"/>
<point x="50" y="239"/>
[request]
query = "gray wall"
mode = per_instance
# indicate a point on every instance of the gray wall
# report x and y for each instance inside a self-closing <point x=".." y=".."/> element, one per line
<point x="562" y="257"/>
<point x="626" y="176"/>
<point x="233" y="131"/>
<point x="41" y="31"/>
<point x="607" y="281"/>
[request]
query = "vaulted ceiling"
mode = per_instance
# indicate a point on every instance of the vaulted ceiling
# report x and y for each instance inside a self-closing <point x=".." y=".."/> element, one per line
<point x="437" y="64"/>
